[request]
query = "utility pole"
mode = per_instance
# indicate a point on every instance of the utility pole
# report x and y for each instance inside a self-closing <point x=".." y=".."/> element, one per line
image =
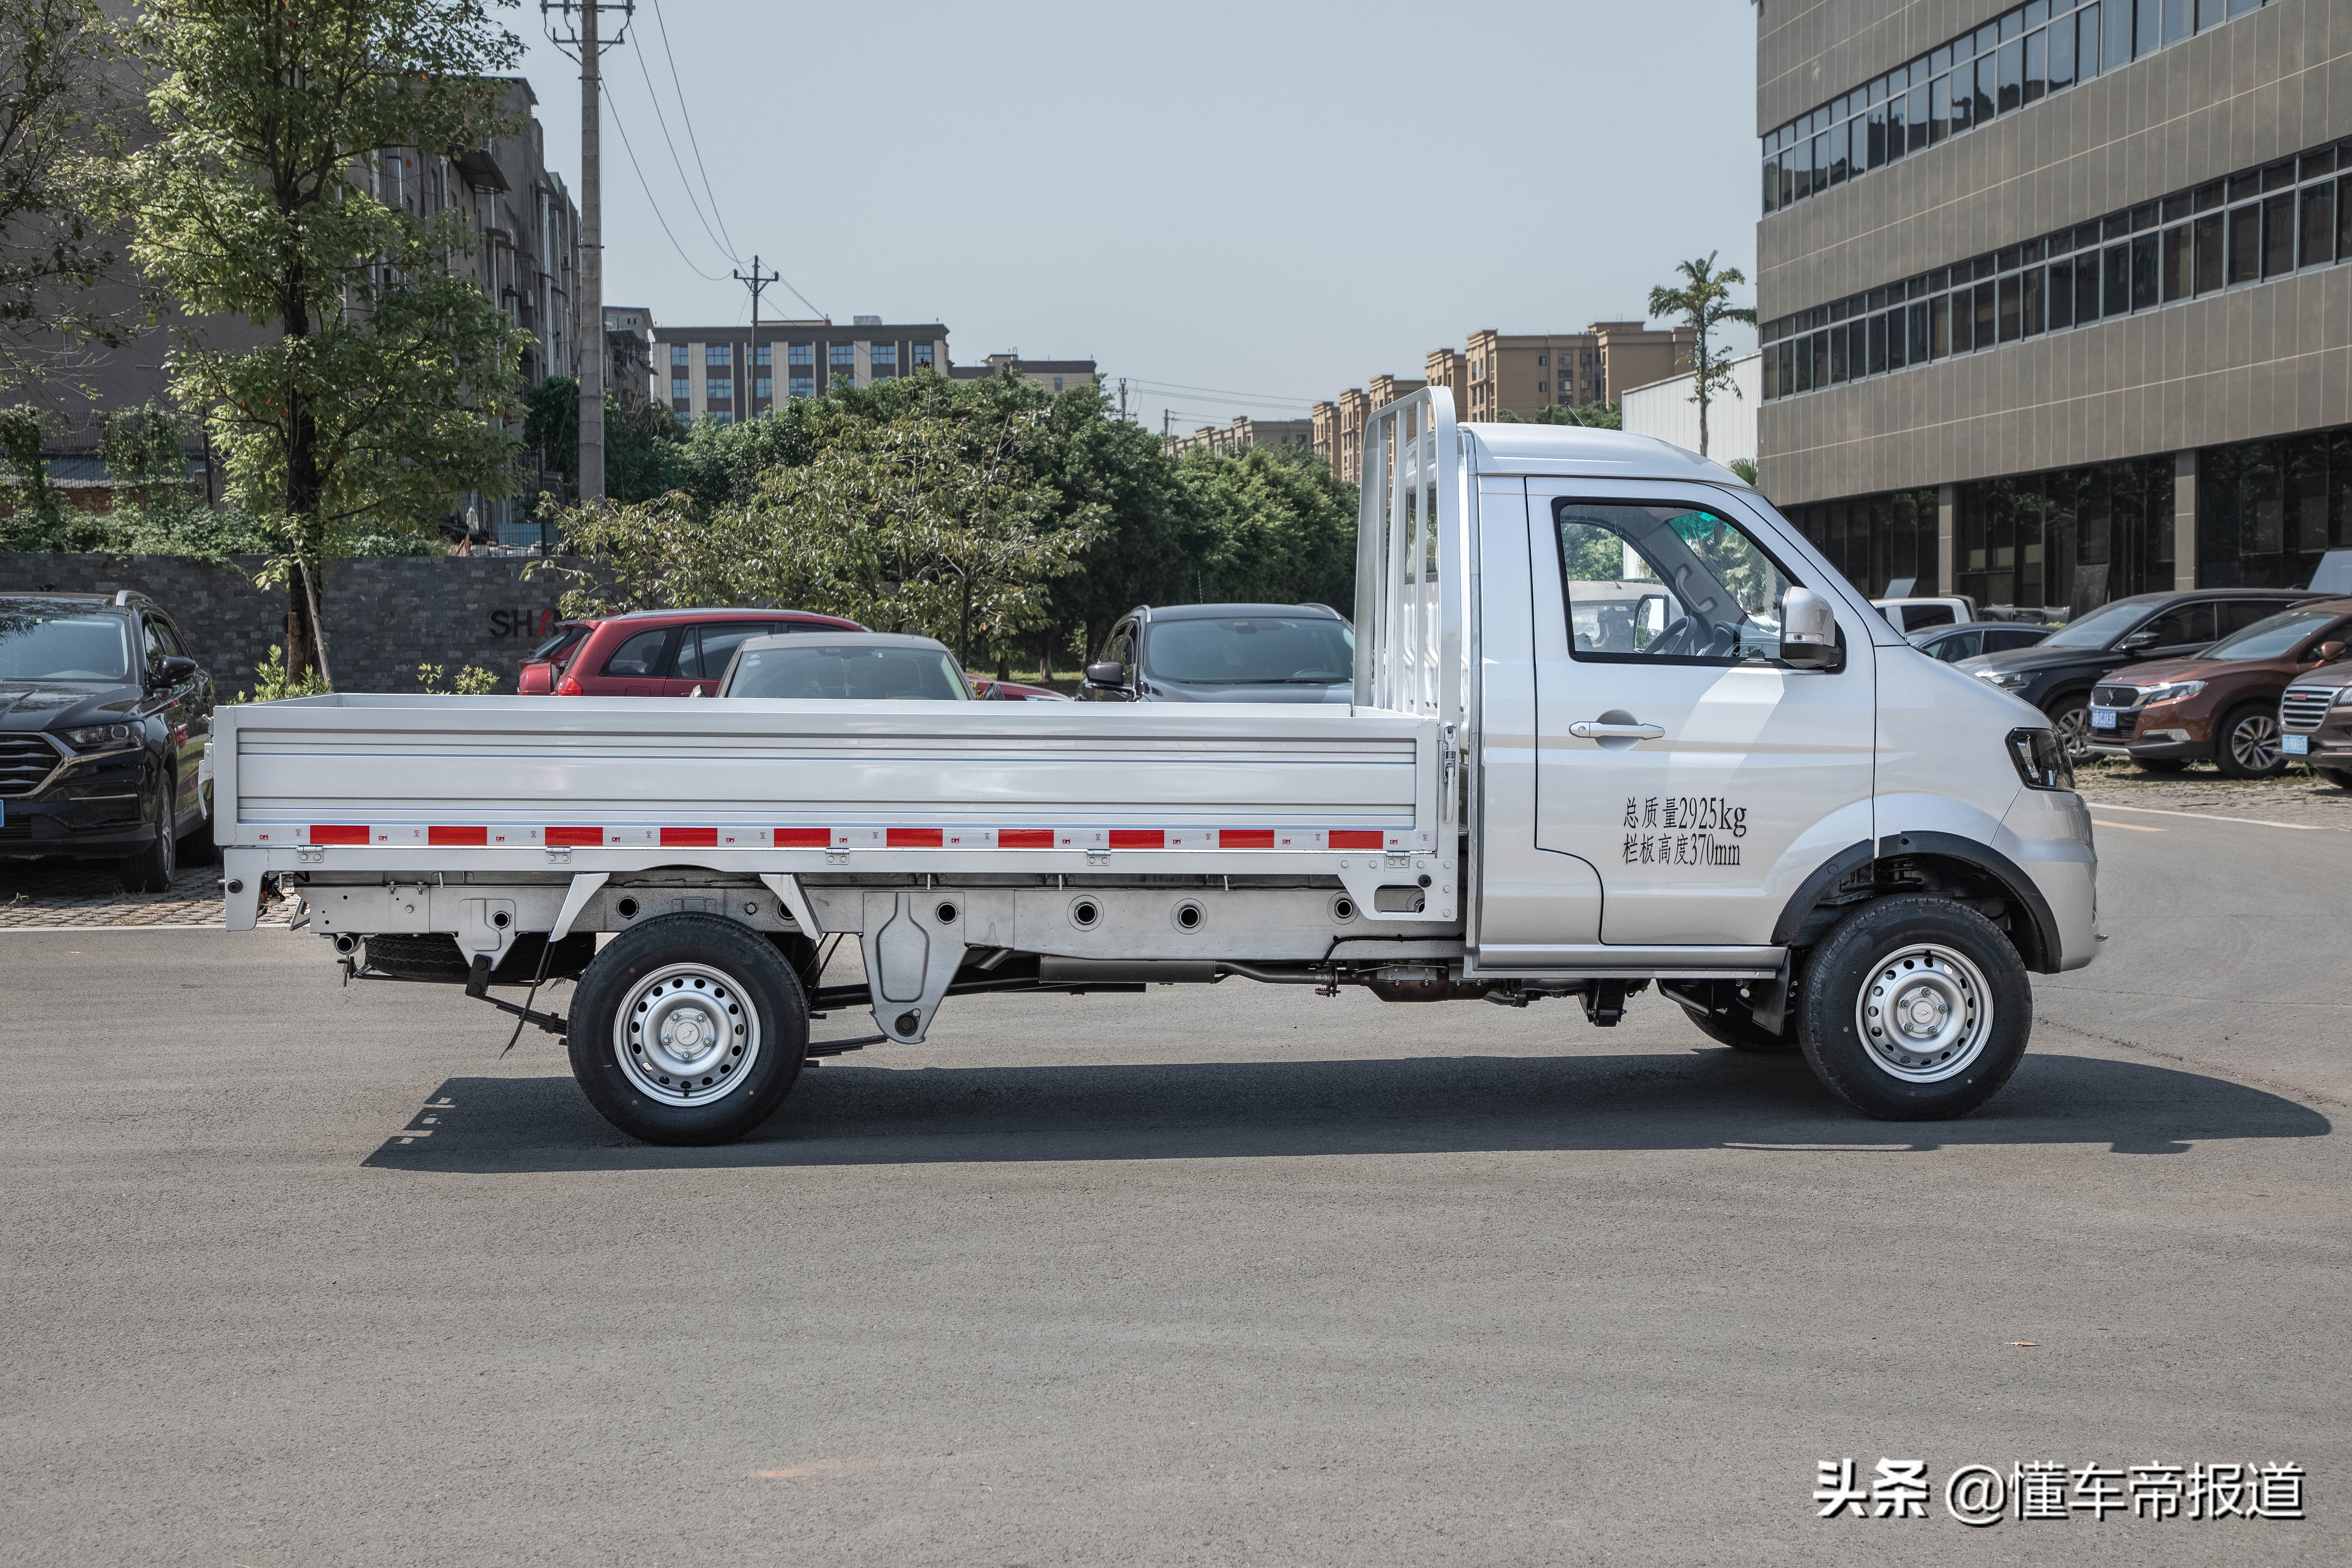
<point x="1122" y="399"/>
<point x="752" y="370"/>
<point x="585" y="46"/>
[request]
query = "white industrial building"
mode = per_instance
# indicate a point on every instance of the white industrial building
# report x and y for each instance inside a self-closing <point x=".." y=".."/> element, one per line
<point x="1664" y="409"/>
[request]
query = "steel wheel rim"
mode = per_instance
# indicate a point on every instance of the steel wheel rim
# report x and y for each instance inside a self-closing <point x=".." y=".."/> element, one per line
<point x="2075" y="730"/>
<point x="1925" y="1013"/>
<point x="2255" y="742"/>
<point x="686" y="1034"/>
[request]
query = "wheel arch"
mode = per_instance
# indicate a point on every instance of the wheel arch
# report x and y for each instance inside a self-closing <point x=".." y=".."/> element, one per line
<point x="1948" y="863"/>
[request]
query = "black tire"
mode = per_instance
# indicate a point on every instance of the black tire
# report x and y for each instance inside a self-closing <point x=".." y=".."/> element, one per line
<point x="2246" y="742"/>
<point x="1741" y="1034"/>
<point x="1915" y="936"/>
<point x="196" y="846"/>
<point x="151" y="869"/>
<point x="715" y="973"/>
<point x="2161" y="764"/>
<point x="2071" y="716"/>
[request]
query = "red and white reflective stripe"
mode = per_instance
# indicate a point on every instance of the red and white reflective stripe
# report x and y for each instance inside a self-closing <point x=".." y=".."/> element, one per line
<point x="580" y="836"/>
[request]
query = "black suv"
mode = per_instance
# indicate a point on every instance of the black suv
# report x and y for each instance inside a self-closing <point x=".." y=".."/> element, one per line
<point x="103" y="724"/>
<point x="1226" y="653"/>
<point x="2057" y="673"/>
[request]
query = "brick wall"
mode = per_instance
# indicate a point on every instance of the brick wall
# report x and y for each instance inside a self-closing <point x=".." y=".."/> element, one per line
<point x="385" y="614"/>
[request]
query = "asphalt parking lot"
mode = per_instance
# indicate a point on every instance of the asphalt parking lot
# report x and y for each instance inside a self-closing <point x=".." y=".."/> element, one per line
<point x="300" y="1274"/>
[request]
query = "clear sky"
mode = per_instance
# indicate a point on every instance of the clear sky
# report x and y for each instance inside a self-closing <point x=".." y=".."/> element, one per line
<point x="1272" y="200"/>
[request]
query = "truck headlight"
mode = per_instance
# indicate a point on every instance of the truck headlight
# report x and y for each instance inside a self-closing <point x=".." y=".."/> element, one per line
<point x="2041" y="758"/>
<point x="101" y="737"/>
<point x="2007" y="680"/>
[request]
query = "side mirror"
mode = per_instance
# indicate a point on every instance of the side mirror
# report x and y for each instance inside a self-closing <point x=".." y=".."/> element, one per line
<point x="2137" y="640"/>
<point x="172" y="670"/>
<point x="1109" y="672"/>
<point x="2328" y="652"/>
<point x="1809" y="632"/>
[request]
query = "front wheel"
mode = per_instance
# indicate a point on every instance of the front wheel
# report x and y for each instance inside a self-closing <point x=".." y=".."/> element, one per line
<point x="689" y="1029"/>
<point x="1915" y="1009"/>
<point x="152" y="869"/>
<point x="2247" y="746"/>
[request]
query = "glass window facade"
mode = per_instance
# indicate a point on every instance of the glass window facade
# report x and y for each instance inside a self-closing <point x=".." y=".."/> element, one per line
<point x="2254" y="228"/>
<point x="2005" y="66"/>
<point x="922" y="353"/>
<point x="2267" y="510"/>
<point x="714" y="355"/>
<point x="800" y="354"/>
<point x="843" y="356"/>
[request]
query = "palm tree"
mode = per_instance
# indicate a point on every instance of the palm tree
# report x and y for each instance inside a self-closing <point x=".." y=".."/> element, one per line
<point x="1704" y="303"/>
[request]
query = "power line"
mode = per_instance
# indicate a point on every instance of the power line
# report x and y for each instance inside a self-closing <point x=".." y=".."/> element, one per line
<point x="687" y="115"/>
<point x="688" y="185"/>
<point x="682" y="256"/>
<point x="1225" y="392"/>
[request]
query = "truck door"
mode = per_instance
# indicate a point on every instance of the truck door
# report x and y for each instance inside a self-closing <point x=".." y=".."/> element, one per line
<point x="1676" y="752"/>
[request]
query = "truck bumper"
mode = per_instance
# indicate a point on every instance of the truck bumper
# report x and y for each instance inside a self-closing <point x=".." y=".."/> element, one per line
<point x="2048" y="834"/>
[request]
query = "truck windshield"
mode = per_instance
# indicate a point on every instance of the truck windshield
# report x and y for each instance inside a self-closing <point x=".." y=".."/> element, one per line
<point x="1252" y="650"/>
<point x="34" y="646"/>
<point x="848" y="672"/>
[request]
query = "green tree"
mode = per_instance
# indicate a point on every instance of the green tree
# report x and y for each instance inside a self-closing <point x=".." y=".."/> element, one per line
<point x="1275" y="525"/>
<point x="641" y="440"/>
<point x="60" y="102"/>
<point x="388" y="390"/>
<point x="1703" y="303"/>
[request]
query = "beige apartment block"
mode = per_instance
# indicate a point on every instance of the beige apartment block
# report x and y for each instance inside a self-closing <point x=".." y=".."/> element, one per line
<point x="1522" y="374"/>
<point x="1323" y="420"/>
<point x="1450" y="368"/>
<point x="1243" y="434"/>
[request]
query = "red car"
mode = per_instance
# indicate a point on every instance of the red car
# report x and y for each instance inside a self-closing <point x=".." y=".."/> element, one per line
<point x="537" y="678"/>
<point x="666" y="653"/>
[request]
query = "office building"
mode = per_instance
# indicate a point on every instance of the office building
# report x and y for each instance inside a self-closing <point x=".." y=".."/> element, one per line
<point x="1053" y="374"/>
<point x="2053" y="299"/>
<point x="725" y="373"/>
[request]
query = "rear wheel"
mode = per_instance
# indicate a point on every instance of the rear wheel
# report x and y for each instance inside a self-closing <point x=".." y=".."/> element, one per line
<point x="152" y="869"/>
<point x="1915" y="1009"/>
<point x="2159" y="765"/>
<point x="689" y="1029"/>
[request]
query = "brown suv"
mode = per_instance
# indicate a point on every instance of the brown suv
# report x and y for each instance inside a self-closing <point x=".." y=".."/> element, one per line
<point x="2223" y="704"/>
<point x="2315" y="723"/>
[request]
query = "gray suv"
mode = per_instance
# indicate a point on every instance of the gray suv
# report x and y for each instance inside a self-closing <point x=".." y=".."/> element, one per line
<point x="1226" y="653"/>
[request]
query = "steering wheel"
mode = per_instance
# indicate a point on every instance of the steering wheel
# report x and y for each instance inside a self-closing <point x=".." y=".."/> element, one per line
<point x="1691" y="638"/>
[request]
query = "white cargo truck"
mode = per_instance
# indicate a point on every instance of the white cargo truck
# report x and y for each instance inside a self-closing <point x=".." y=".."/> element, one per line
<point x="1803" y="830"/>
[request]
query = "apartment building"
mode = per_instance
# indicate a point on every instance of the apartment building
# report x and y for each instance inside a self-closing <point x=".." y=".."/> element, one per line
<point x="1521" y="373"/>
<point x="1243" y="434"/>
<point x="725" y="373"/>
<point x="629" y="353"/>
<point x="2052" y="298"/>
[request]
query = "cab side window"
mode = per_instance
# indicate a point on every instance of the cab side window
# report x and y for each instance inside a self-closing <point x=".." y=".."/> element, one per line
<point x="642" y="655"/>
<point x="1666" y="583"/>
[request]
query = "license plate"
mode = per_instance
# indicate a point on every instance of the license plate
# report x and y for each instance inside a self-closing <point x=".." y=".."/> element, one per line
<point x="2102" y="719"/>
<point x="2295" y="745"/>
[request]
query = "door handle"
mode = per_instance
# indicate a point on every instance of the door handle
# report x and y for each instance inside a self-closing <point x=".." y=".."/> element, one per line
<point x="1594" y="730"/>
